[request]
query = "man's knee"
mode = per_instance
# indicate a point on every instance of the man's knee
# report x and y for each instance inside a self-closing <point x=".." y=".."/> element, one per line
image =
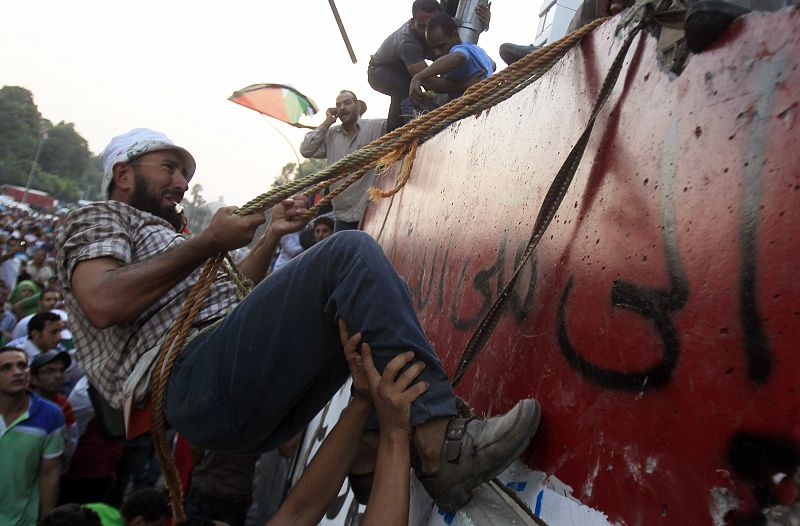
<point x="349" y="244"/>
<point x="354" y="241"/>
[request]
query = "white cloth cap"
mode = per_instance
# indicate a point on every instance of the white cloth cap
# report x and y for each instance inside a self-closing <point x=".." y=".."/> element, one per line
<point x="128" y="146"/>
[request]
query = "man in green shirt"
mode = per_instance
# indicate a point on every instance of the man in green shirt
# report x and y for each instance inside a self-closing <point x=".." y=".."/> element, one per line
<point x="31" y="443"/>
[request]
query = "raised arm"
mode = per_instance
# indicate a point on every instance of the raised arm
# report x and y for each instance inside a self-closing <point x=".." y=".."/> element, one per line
<point x="392" y="395"/>
<point x="313" y="145"/>
<point x="321" y="481"/>
<point x="284" y="221"/>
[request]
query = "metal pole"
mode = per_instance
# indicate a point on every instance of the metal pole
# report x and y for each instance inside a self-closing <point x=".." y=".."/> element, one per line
<point x="33" y="167"/>
<point x="342" y="31"/>
<point x="285" y="138"/>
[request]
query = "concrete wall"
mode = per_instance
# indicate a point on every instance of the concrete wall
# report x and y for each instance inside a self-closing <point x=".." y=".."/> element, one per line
<point x="660" y="320"/>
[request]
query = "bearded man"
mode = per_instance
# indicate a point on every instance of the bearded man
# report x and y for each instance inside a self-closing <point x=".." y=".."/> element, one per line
<point x="244" y="383"/>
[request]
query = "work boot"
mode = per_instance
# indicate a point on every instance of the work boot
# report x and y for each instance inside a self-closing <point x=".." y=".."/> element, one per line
<point x="706" y="20"/>
<point x="510" y="53"/>
<point x="475" y="451"/>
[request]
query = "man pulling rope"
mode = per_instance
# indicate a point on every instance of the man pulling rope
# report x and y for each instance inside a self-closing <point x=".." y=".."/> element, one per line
<point x="245" y="382"/>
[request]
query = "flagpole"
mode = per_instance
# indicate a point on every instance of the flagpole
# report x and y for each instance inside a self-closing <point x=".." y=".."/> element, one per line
<point x="342" y="31"/>
<point x="296" y="156"/>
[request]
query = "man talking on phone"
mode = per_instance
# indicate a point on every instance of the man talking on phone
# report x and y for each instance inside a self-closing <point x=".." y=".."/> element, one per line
<point x="334" y="142"/>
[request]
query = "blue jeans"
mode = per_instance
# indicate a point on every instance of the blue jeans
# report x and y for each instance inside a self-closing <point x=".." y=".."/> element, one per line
<point x="392" y="81"/>
<point x="339" y="226"/>
<point x="258" y="378"/>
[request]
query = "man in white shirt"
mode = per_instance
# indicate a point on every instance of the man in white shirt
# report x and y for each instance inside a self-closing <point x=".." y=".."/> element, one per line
<point x="335" y="142"/>
<point x="11" y="261"/>
<point x="44" y="333"/>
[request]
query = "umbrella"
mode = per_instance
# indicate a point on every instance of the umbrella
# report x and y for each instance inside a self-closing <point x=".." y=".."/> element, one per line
<point x="279" y="101"/>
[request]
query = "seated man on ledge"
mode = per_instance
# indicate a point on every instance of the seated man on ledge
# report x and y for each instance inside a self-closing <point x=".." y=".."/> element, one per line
<point x="242" y="383"/>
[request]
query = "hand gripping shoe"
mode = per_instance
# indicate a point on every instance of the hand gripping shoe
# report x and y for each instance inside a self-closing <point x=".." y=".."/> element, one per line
<point x="475" y="451"/>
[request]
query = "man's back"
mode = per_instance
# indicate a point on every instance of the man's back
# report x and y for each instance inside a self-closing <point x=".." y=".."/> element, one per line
<point x="402" y="49"/>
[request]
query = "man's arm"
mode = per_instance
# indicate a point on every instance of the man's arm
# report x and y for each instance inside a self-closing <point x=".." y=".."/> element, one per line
<point x="389" y="501"/>
<point x="441" y="66"/>
<point x="49" y="472"/>
<point x="111" y="294"/>
<point x="313" y="145"/>
<point x="323" y="478"/>
<point x="437" y="84"/>
<point x="283" y="222"/>
<point x="392" y="394"/>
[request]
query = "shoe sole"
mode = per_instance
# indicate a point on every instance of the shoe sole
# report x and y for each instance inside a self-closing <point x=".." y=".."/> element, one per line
<point x="459" y="494"/>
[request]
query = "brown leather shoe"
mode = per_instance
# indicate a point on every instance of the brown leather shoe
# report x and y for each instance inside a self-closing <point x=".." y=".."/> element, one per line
<point x="475" y="451"/>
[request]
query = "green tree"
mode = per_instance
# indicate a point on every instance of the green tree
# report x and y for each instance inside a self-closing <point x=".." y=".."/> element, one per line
<point x="90" y="190"/>
<point x="20" y="131"/>
<point x="197" y="210"/>
<point x="65" y="153"/>
<point x="65" y="169"/>
<point x="290" y="172"/>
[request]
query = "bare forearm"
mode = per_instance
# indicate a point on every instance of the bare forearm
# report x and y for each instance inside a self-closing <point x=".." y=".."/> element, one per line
<point x="388" y="503"/>
<point x="48" y="490"/>
<point x="256" y="263"/>
<point x="429" y="77"/>
<point x="440" y="85"/>
<point x="323" y="478"/>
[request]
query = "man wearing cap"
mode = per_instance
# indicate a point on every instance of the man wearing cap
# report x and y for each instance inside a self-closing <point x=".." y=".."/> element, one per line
<point x="334" y="142"/>
<point x="31" y="443"/>
<point x="47" y="380"/>
<point x="244" y="383"/>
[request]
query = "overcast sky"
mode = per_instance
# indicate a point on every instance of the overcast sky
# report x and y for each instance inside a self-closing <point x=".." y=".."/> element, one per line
<point x="109" y="66"/>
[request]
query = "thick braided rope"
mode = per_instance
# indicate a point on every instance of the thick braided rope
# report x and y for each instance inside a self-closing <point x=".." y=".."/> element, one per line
<point x="352" y="178"/>
<point x="242" y="284"/>
<point x="479" y="97"/>
<point x="160" y="374"/>
<point x="376" y="194"/>
<point x="482" y="95"/>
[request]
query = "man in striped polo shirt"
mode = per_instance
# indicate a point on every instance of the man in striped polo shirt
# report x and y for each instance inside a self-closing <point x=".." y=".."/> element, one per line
<point x="31" y="443"/>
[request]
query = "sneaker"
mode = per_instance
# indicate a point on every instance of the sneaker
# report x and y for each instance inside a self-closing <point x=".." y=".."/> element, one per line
<point x="706" y="20"/>
<point x="510" y="53"/>
<point x="475" y="451"/>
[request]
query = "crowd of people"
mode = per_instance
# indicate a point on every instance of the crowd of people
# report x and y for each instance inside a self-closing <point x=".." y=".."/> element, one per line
<point x="63" y="455"/>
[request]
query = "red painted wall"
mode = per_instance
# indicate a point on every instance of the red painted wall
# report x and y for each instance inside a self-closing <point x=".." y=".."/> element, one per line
<point x="659" y="325"/>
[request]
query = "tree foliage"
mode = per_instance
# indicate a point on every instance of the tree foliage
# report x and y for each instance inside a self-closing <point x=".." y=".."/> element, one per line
<point x="65" y="168"/>
<point x="197" y="210"/>
<point x="290" y="171"/>
<point x="20" y="131"/>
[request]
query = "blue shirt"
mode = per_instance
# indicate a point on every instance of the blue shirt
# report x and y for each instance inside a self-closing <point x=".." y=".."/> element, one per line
<point x="477" y="61"/>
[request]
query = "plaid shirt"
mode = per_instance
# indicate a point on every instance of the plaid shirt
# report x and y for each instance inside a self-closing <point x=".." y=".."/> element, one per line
<point x="117" y="230"/>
